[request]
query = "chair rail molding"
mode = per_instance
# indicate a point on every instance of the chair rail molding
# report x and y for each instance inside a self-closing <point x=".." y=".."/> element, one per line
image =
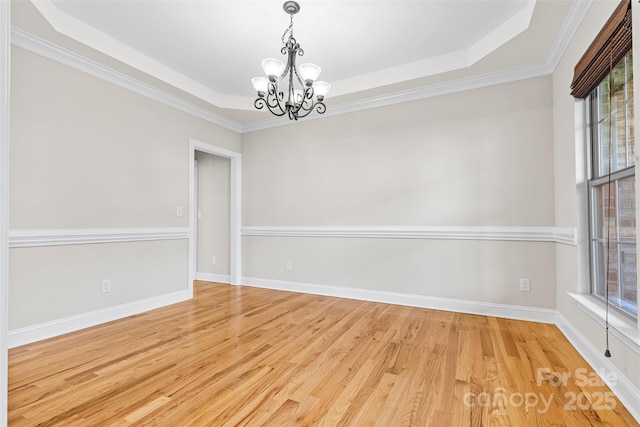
<point x="83" y="236"/>
<point x="564" y="235"/>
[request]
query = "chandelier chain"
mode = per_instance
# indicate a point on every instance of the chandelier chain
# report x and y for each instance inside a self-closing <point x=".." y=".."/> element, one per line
<point x="289" y="31"/>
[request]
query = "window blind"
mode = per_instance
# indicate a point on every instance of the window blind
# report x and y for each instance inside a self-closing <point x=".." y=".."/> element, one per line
<point x="610" y="45"/>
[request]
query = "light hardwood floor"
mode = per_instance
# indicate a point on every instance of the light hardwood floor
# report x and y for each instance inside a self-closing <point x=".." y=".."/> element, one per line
<point x="248" y="356"/>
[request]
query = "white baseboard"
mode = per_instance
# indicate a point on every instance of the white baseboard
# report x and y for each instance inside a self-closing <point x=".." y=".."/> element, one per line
<point x="626" y="392"/>
<point x="29" y="334"/>
<point x="517" y="312"/>
<point x="214" y="277"/>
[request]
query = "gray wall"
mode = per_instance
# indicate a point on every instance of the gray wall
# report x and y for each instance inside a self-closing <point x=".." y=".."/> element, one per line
<point x="213" y="214"/>
<point x="571" y="263"/>
<point x="86" y="154"/>
<point x="478" y="158"/>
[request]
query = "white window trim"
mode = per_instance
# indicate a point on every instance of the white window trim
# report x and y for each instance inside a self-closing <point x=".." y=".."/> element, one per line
<point x="620" y="326"/>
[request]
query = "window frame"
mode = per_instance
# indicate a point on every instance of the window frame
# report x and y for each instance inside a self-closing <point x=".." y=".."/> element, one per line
<point x="615" y="243"/>
<point x="598" y="179"/>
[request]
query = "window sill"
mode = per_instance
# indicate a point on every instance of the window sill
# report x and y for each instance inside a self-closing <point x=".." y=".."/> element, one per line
<point x="620" y="326"/>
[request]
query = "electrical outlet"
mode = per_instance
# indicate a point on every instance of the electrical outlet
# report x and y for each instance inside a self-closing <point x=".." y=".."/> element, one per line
<point x="213" y="260"/>
<point x="106" y="286"/>
<point x="288" y="266"/>
<point x="525" y="285"/>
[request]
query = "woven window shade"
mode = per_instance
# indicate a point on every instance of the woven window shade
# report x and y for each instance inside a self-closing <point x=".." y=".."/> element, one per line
<point x="610" y="46"/>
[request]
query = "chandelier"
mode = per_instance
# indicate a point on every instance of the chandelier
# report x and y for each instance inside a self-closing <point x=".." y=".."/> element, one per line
<point x="287" y="89"/>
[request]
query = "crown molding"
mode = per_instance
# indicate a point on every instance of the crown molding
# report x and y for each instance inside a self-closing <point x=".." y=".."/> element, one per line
<point x="571" y="23"/>
<point x="445" y="88"/>
<point x="52" y="51"/>
<point x="64" y="56"/>
<point x="88" y="35"/>
<point x="569" y="27"/>
<point x="74" y="28"/>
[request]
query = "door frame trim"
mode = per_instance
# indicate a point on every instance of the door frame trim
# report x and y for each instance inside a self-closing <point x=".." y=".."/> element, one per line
<point x="5" y="83"/>
<point x="235" y="210"/>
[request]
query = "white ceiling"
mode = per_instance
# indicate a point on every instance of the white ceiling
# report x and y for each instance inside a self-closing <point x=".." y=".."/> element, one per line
<point x="370" y="51"/>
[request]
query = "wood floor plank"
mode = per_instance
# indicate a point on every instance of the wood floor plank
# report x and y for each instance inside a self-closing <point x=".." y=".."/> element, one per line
<point x="242" y="356"/>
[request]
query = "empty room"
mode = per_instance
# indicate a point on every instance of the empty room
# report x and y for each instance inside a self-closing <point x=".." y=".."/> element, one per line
<point x="339" y="213"/>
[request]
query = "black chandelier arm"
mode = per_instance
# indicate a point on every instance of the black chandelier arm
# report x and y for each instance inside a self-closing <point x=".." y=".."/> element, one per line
<point x="292" y="46"/>
<point x="275" y="107"/>
<point x="307" y="99"/>
<point x="318" y="106"/>
<point x="274" y="100"/>
<point x="300" y="81"/>
<point x="291" y="49"/>
<point x="298" y="50"/>
<point x="260" y="103"/>
<point x="304" y="104"/>
<point x="309" y="92"/>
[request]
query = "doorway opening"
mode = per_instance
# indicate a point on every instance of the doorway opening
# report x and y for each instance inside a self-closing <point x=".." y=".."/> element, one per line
<point x="213" y="256"/>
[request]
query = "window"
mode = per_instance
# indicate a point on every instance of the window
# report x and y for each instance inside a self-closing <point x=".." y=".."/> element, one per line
<point x="612" y="198"/>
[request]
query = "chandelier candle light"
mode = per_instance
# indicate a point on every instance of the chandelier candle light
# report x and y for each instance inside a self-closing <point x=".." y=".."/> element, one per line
<point x="287" y="89"/>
